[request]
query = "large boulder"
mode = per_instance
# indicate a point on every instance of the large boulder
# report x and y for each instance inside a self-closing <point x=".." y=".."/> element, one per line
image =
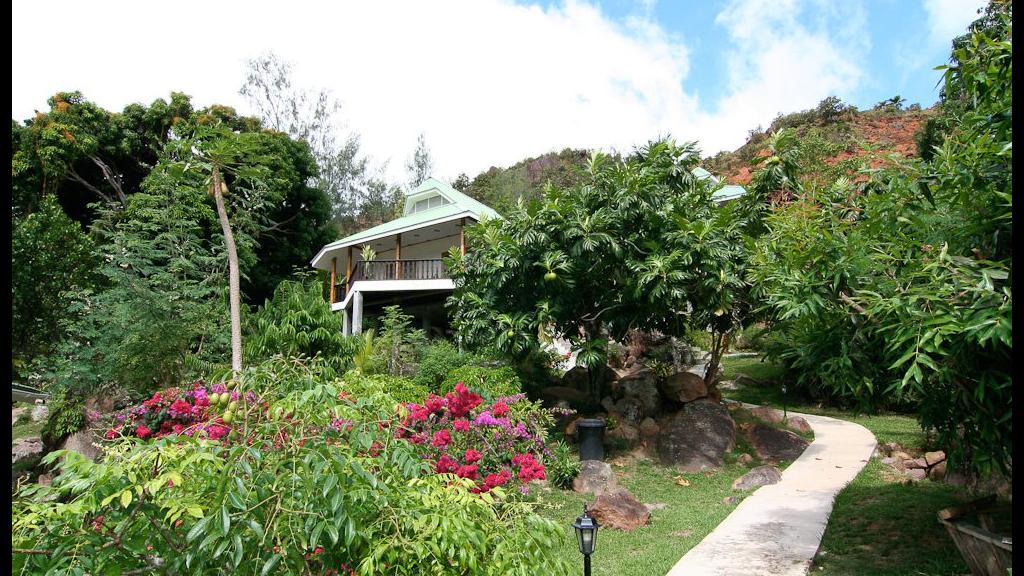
<point x="767" y="414"/>
<point x="85" y="443"/>
<point x="649" y="428"/>
<point x="684" y="387"/>
<point x="618" y="508"/>
<point x="799" y="424"/>
<point x="757" y="477"/>
<point x="774" y="445"/>
<point x="625" y="432"/>
<point x="595" y="477"/>
<point x="24" y="449"/>
<point x="642" y="388"/>
<point x="697" y="437"/>
<point x="630" y="409"/>
<point x="577" y="378"/>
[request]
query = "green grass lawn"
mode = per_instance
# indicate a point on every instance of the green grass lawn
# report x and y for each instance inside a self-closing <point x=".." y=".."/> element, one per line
<point x="692" y="512"/>
<point x="880" y="525"/>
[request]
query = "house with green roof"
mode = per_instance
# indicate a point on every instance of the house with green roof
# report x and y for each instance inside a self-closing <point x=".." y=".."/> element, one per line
<point x="408" y="269"/>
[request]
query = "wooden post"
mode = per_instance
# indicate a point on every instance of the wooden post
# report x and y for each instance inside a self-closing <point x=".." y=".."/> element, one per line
<point x="398" y="257"/>
<point x="334" y="279"/>
<point x="348" y="274"/>
<point x="462" y="236"/>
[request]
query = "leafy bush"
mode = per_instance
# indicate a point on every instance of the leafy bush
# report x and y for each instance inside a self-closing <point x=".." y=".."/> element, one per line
<point x="900" y="289"/>
<point x="437" y="360"/>
<point x="397" y="344"/>
<point x="50" y="254"/>
<point x="492" y="382"/>
<point x="396" y="388"/>
<point x="563" y="465"/>
<point x="297" y="320"/>
<point x="66" y="416"/>
<point x="316" y="484"/>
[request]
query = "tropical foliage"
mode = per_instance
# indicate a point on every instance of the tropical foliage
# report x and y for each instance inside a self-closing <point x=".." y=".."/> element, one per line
<point x="898" y="290"/>
<point x="640" y="244"/>
<point x="310" y="480"/>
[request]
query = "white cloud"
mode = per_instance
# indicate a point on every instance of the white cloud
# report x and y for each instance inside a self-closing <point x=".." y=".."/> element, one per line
<point x="786" y="55"/>
<point x="489" y="82"/>
<point x="948" y="19"/>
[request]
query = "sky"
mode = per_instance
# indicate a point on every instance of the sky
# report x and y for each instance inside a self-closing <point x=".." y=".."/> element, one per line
<point x="491" y="82"/>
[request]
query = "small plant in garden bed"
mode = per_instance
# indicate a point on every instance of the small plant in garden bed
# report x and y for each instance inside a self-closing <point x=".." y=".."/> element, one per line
<point x="492" y="444"/>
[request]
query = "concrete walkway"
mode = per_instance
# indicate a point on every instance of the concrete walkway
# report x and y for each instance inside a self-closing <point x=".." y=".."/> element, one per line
<point x="776" y="530"/>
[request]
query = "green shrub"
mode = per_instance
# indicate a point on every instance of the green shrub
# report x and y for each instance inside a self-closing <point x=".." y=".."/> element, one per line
<point x="562" y="465"/>
<point x="66" y="416"/>
<point x="397" y="343"/>
<point x="751" y="338"/>
<point x="397" y="388"/>
<point x="437" y="360"/>
<point x="487" y="381"/>
<point x="296" y="321"/>
<point x="698" y="338"/>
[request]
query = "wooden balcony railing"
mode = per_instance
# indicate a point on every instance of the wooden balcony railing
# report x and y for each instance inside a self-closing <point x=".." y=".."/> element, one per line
<point x="430" y="269"/>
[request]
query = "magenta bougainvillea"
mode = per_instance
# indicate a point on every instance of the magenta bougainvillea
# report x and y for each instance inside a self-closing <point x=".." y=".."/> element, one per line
<point x="185" y="411"/>
<point x="497" y="444"/>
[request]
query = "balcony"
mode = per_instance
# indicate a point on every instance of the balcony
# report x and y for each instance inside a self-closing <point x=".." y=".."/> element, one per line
<point x="380" y="270"/>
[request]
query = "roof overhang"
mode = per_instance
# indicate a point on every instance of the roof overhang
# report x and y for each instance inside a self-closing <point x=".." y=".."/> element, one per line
<point x="320" y="261"/>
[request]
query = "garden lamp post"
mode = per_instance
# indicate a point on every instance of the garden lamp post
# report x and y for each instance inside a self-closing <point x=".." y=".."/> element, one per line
<point x="784" y="402"/>
<point x="586" y="536"/>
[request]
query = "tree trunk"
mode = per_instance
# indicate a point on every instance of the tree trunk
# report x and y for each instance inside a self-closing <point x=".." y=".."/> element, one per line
<point x="719" y="346"/>
<point x="234" y="292"/>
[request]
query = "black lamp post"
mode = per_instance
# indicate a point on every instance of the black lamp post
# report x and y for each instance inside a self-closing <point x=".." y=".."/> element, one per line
<point x="586" y="536"/>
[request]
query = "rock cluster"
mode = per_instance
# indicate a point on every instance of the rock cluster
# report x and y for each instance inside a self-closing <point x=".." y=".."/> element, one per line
<point x="614" y="505"/>
<point x="931" y="465"/>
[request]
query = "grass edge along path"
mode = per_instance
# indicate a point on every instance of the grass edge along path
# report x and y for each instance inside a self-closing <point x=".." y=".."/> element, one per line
<point x="881" y="524"/>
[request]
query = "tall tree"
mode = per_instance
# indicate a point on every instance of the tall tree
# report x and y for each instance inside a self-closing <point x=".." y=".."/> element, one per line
<point x="421" y="165"/>
<point x="311" y="116"/>
<point x="83" y="153"/>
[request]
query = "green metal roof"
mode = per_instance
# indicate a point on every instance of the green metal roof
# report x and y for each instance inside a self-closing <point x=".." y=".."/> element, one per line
<point x="454" y="196"/>
<point x="728" y="192"/>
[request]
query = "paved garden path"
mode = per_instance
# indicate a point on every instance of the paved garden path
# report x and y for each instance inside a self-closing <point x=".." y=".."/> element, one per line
<point x="776" y="530"/>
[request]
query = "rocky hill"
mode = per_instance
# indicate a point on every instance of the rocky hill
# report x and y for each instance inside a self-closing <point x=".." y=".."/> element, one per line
<point x="834" y="139"/>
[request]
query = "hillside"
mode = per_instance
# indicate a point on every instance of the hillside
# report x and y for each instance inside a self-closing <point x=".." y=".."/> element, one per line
<point x="834" y="139"/>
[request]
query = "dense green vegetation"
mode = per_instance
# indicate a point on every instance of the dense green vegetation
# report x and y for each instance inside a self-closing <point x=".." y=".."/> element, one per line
<point x="879" y="295"/>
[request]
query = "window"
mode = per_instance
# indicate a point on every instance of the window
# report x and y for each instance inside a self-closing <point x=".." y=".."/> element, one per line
<point x="428" y="203"/>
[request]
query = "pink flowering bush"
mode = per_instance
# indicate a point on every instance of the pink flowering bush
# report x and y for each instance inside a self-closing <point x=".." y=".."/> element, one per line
<point x="176" y="411"/>
<point x="493" y="444"/>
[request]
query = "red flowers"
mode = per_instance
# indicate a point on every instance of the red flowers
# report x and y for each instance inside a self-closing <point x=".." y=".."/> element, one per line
<point x="472" y="455"/>
<point x="446" y="464"/>
<point x="442" y="438"/>
<point x="461" y="401"/>
<point x="469" y="471"/>
<point x="529" y="468"/>
<point x="482" y="442"/>
<point x="143" y="432"/>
